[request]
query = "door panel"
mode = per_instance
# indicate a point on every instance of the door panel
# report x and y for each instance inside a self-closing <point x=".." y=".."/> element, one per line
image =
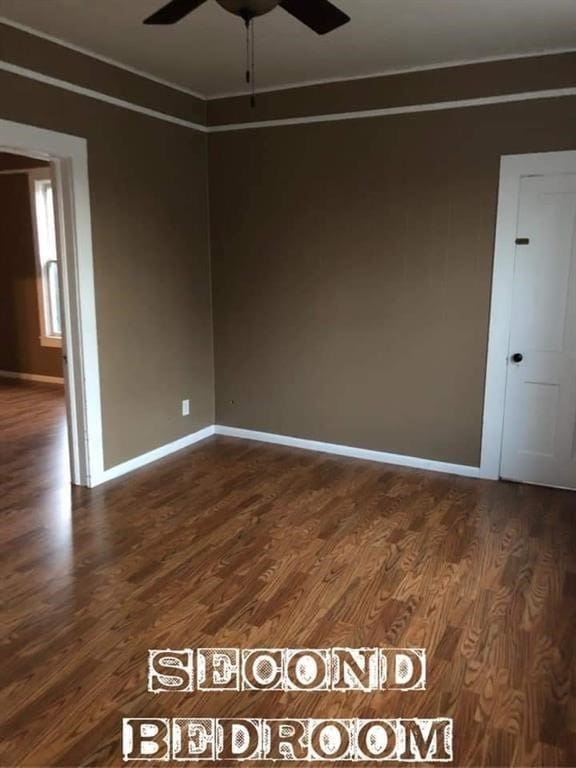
<point x="539" y="439"/>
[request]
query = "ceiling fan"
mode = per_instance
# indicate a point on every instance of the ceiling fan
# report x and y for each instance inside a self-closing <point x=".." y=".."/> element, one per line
<point x="320" y="15"/>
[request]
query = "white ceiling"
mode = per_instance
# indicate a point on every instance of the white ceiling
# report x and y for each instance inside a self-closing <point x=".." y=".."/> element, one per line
<point x="205" y="52"/>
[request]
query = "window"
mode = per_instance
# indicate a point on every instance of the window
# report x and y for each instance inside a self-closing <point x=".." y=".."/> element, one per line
<point x="42" y="196"/>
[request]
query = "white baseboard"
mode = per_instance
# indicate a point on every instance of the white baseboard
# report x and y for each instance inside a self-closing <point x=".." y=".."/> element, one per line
<point x="151" y="456"/>
<point x="355" y="453"/>
<point x="292" y="442"/>
<point x="31" y="377"/>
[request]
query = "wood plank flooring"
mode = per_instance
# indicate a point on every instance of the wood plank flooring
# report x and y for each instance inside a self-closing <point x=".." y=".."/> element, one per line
<point x="239" y="544"/>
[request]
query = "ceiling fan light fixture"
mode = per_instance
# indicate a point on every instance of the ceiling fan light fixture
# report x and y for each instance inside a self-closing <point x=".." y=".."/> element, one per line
<point x="321" y="16"/>
<point x="248" y="9"/>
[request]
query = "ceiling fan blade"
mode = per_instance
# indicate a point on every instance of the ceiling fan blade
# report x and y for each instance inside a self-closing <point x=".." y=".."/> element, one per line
<point x="173" y="12"/>
<point x="319" y="15"/>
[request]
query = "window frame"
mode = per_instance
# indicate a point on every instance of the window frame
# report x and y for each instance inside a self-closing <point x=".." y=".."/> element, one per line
<point x="47" y="337"/>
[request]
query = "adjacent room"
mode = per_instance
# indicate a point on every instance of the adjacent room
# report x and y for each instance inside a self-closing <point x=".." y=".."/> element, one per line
<point x="31" y="376"/>
<point x="288" y="382"/>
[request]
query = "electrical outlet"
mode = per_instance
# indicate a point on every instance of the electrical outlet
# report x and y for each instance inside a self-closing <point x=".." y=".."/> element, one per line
<point x="185" y="407"/>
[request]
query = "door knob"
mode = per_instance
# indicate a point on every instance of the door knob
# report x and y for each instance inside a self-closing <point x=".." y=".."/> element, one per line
<point x="517" y="357"/>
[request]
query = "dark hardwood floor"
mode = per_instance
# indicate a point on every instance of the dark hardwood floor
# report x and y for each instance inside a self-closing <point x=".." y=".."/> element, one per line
<point x="239" y="544"/>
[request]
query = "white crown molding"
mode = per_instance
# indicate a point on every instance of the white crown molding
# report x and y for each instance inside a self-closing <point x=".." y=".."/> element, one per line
<point x="389" y="72"/>
<point x="100" y="57"/>
<point x="285" y="86"/>
<point x="437" y="106"/>
<point x="280" y="122"/>
<point x="429" y="465"/>
<point x="152" y="456"/>
<point x="82" y="91"/>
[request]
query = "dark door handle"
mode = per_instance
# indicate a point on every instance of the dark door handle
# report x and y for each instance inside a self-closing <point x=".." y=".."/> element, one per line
<point x="517" y="357"/>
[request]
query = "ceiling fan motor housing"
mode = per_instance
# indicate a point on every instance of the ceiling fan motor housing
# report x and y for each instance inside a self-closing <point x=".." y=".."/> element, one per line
<point x="248" y="9"/>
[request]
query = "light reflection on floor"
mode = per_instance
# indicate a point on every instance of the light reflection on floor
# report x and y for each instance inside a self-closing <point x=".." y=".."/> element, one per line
<point x="59" y="495"/>
<point x="35" y="459"/>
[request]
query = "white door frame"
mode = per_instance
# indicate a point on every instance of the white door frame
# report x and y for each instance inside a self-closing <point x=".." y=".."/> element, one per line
<point x="512" y="169"/>
<point x="69" y="156"/>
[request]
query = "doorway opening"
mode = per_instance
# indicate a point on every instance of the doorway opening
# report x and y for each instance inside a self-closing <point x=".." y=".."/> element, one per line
<point x="31" y="359"/>
<point x="52" y="168"/>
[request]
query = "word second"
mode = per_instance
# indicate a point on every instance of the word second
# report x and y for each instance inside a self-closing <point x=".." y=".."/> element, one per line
<point x="286" y="669"/>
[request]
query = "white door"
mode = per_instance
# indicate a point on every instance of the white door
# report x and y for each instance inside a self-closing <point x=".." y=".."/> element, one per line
<point x="539" y="438"/>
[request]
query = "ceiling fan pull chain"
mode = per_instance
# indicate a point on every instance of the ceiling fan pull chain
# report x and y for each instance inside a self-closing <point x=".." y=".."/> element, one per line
<point x="248" y="77"/>
<point x="253" y="69"/>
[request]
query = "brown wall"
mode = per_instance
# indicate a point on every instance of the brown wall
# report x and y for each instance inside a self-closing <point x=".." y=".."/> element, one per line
<point x="148" y="188"/>
<point x="20" y="348"/>
<point x="352" y="266"/>
<point x="351" y="260"/>
<point x="35" y="53"/>
<point x="11" y="162"/>
<point x="472" y="81"/>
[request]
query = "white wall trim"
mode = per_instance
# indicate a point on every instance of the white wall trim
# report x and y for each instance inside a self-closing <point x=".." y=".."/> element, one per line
<point x="512" y="169"/>
<point x="278" y="123"/>
<point x="163" y="451"/>
<point x="69" y="158"/>
<point x="31" y="377"/>
<point x="429" y="465"/>
<point x="65" y="85"/>
<point x="285" y="86"/>
<point x="390" y="72"/>
<point x="106" y="59"/>
<point x="154" y="455"/>
<point x="390" y="111"/>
